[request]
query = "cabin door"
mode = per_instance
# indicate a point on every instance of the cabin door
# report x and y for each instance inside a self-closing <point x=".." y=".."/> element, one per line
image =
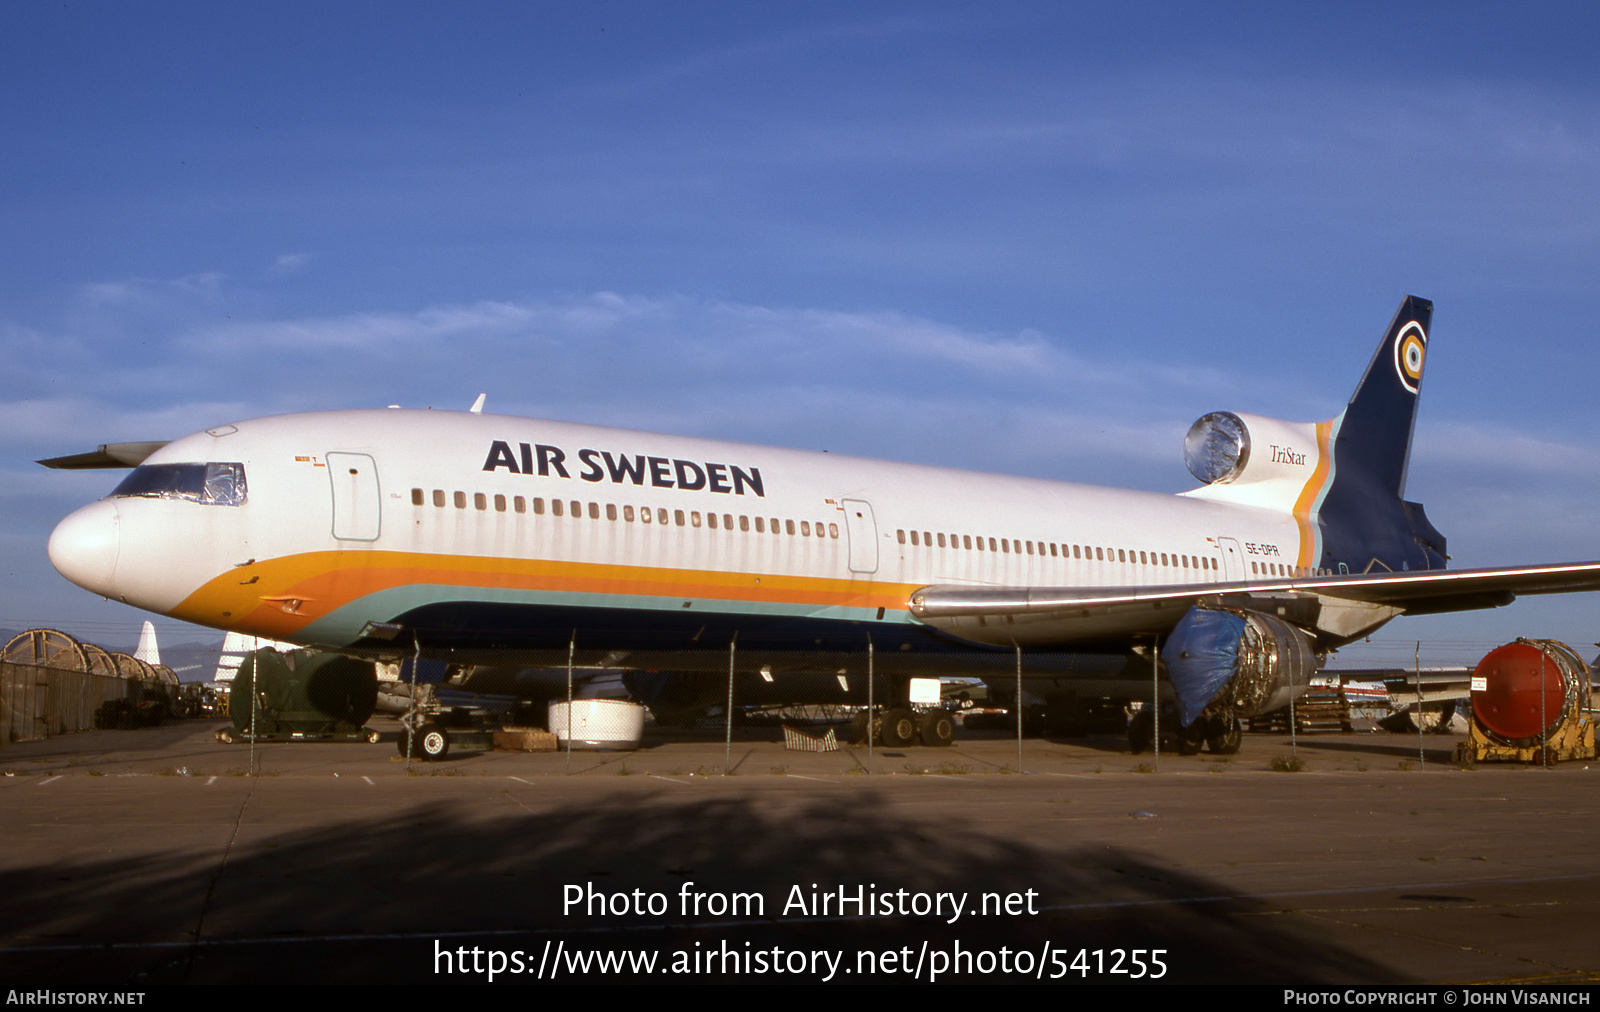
<point x="354" y="477"/>
<point x="1232" y="559"/>
<point x="862" y="532"/>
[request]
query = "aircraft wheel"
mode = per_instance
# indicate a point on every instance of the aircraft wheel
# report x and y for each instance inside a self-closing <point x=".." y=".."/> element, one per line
<point x="372" y="736"/>
<point x="1192" y="738"/>
<point x="859" y="725"/>
<point x="432" y="742"/>
<point x="938" y="728"/>
<point x="1141" y="732"/>
<point x="899" y="728"/>
<point x="1224" y="734"/>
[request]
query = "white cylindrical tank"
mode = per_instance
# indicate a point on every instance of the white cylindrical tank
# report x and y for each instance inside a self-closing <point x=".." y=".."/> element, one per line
<point x="598" y="723"/>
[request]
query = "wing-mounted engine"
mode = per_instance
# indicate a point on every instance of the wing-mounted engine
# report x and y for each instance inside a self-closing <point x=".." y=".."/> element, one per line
<point x="1256" y="461"/>
<point x="1232" y="660"/>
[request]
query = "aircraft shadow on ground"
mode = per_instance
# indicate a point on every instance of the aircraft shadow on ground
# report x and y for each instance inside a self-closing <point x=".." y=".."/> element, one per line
<point x="363" y="900"/>
<point x="1431" y="752"/>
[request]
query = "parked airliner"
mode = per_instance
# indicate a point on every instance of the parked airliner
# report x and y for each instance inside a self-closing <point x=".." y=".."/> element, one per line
<point x="477" y="538"/>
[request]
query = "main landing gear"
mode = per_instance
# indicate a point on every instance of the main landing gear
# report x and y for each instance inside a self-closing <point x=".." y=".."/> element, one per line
<point x="1221" y="733"/>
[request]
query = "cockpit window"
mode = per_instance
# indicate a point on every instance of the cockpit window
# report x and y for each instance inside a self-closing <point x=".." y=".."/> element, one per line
<point x="211" y="484"/>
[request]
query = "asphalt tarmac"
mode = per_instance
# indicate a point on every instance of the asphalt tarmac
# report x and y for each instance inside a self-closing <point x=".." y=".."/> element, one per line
<point x="138" y="858"/>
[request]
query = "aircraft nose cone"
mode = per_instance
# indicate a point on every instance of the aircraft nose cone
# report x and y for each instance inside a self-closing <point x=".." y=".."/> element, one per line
<point x="85" y="545"/>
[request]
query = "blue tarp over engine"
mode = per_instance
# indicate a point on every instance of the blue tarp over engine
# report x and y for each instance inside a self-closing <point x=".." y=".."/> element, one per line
<point x="1201" y="655"/>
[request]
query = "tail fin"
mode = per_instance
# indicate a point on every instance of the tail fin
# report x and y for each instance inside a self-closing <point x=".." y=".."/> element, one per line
<point x="1375" y="430"/>
<point x="148" y="650"/>
<point x="1365" y="519"/>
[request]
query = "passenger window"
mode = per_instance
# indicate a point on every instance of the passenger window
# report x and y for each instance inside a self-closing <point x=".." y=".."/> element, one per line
<point x="833" y="531"/>
<point x="727" y="521"/>
<point x="594" y="511"/>
<point x="438" y="497"/>
<point x="927" y="539"/>
<point x="661" y="516"/>
<point x="761" y="526"/>
<point x="499" y="504"/>
<point x="417" y="498"/>
<point x="744" y="523"/>
<point x="805" y="528"/>
<point x="966" y="541"/>
<point x="461" y="500"/>
<point x="519" y="504"/>
<point x="677" y="517"/>
<point x="557" y="507"/>
<point x="627" y="514"/>
<point x="480" y="501"/>
<point x="538" y="507"/>
<point x="645" y="515"/>
<point x="711" y="521"/>
<point x="577" y="510"/>
<point x="611" y="511"/>
<point x="775" y="528"/>
<point x="788" y="527"/>
<point x="694" y="518"/>
<point x="941" y="539"/>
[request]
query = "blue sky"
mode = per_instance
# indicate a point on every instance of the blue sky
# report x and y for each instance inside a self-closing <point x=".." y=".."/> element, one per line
<point x="1031" y="238"/>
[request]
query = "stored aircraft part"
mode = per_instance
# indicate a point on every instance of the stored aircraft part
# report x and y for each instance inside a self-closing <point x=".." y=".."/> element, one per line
<point x="1523" y="691"/>
<point x="106" y="455"/>
<point x="46" y="648"/>
<point x="100" y="662"/>
<point x="1528" y="705"/>
<point x="131" y="667"/>
<point x="302" y="695"/>
<point x="796" y="740"/>
<point x="1241" y="661"/>
<point x="598" y="723"/>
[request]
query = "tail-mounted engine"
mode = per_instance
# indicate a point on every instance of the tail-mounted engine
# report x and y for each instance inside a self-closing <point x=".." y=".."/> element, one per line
<point x="1228" y="659"/>
<point x="1253" y="460"/>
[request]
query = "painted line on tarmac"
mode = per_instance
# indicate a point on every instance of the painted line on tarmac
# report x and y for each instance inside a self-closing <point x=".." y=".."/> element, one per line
<point x="797" y="776"/>
<point x="50" y="780"/>
<point x="653" y="776"/>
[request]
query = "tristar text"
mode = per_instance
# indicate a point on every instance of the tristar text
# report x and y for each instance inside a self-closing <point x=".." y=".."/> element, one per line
<point x="1285" y="455"/>
<point x="619" y="468"/>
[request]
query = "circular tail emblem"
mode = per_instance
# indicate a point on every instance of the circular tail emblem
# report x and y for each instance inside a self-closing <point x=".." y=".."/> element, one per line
<point x="1410" y="349"/>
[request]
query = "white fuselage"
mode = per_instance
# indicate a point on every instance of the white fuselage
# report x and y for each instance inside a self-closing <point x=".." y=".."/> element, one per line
<point x="459" y="524"/>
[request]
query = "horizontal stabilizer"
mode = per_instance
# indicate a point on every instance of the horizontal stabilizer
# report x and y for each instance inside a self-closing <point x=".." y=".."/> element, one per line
<point x="106" y="455"/>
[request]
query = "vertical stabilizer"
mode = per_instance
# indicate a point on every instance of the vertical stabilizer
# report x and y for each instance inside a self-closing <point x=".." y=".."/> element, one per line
<point x="1375" y="432"/>
<point x="148" y="651"/>
<point x="1366" y="522"/>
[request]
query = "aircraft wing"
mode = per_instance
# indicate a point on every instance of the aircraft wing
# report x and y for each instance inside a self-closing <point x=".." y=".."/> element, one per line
<point x="106" y="455"/>
<point x="1338" y="609"/>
